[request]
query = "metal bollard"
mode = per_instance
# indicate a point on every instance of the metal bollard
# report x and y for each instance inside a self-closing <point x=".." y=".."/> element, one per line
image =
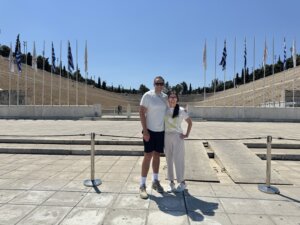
<point x="92" y="182"/>
<point x="128" y="111"/>
<point x="267" y="188"/>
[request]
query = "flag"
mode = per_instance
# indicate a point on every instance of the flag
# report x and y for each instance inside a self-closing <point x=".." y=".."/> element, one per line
<point x="204" y="57"/>
<point x="11" y="61"/>
<point x="265" y="54"/>
<point x="34" y="59"/>
<point x="70" y="58"/>
<point x="294" y="54"/>
<point x="223" y="60"/>
<point x="53" y="59"/>
<point x="245" y="55"/>
<point x="86" y="58"/>
<point x="18" y="53"/>
<point x="284" y="54"/>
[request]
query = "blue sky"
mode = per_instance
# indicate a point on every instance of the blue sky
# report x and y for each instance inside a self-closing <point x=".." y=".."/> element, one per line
<point x="132" y="41"/>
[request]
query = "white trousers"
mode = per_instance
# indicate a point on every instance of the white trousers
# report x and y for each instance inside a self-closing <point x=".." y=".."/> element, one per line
<point x="174" y="151"/>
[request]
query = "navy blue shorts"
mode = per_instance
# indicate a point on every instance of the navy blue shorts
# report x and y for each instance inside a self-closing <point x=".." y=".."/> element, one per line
<point x="156" y="142"/>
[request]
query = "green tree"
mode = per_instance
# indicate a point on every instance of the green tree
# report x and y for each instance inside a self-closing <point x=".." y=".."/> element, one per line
<point x="18" y="44"/>
<point x="103" y="85"/>
<point x="4" y="50"/>
<point x="178" y="88"/>
<point x="29" y="59"/>
<point x="99" y="83"/>
<point x="143" y="89"/>
<point x="184" y="88"/>
<point x="40" y="62"/>
<point x="64" y="72"/>
<point x="190" y="89"/>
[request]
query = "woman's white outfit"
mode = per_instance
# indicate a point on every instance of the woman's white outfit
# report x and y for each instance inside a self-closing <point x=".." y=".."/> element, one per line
<point x="174" y="144"/>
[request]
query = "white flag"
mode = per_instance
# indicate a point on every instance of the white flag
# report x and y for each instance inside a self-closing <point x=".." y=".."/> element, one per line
<point x="204" y="57"/>
<point x="86" y="58"/>
<point x="265" y="54"/>
<point x="11" y="60"/>
<point x="294" y="54"/>
<point x="34" y="59"/>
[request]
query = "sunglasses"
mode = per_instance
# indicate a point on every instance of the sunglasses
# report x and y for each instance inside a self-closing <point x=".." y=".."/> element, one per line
<point x="159" y="84"/>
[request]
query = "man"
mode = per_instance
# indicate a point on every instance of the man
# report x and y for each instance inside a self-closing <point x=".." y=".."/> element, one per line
<point x="153" y="107"/>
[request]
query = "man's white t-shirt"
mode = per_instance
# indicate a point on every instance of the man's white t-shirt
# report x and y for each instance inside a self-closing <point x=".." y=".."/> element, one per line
<point x="173" y="125"/>
<point x="156" y="105"/>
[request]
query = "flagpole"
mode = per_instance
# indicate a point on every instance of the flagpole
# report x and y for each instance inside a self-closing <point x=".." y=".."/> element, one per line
<point x="294" y="65"/>
<point x="68" y="83"/>
<point x="18" y="80"/>
<point x="243" y="91"/>
<point x="76" y="72"/>
<point x="244" y="81"/>
<point x="11" y="65"/>
<point x="294" y="92"/>
<point x="60" y="74"/>
<point x="25" y="51"/>
<point x="253" y="72"/>
<point x="43" y="89"/>
<point x="70" y="68"/>
<point x="284" y="69"/>
<point x="204" y="86"/>
<point x="9" y="86"/>
<point x="264" y="86"/>
<point x="34" y="70"/>
<point x="215" y="72"/>
<point x="34" y="74"/>
<point x="18" y="90"/>
<point x="225" y="68"/>
<point x="57" y="86"/>
<point x="51" y="90"/>
<point x="264" y="83"/>
<point x="273" y="79"/>
<point x="19" y="63"/>
<point x="234" y="71"/>
<point x="204" y="68"/>
<point x="86" y="72"/>
<point x="86" y="77"/>
<point x="224" y="79"/>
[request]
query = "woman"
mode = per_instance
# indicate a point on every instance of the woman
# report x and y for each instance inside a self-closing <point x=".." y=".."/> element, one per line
<point x="174" y="141"/>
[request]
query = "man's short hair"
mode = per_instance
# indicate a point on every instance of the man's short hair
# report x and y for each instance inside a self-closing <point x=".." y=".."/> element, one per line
<point x="159" y="77"/>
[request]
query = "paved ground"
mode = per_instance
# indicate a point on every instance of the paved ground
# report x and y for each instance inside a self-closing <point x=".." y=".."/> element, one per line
<point x="48" y="189"/>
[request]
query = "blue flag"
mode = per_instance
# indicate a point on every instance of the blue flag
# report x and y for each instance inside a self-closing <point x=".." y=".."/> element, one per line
<point x="70" y="59"/>
<point x="53" y="59"/>
<point x="223" y="60"/>
<point x="18" y="54"/>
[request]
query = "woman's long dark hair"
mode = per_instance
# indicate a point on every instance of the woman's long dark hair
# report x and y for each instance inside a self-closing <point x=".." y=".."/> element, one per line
<point x="176" y="109"/>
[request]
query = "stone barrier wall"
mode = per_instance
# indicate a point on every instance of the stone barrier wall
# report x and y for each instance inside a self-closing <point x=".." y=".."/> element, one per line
<point x="49" y="112"/>
<point x="245" y="113"/>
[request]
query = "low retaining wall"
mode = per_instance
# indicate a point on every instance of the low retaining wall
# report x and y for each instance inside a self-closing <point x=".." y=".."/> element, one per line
<point x="49" y="112"/>
<point x="245" y="113"/>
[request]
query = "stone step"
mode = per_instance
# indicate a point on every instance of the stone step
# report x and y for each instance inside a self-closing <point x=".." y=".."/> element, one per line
<point x="197" y="166"/>
<point x="71" y="149"/>
<point x="64" y="141"/>
<point x="241" y="164"/>
<point x="278" y="154"/>
<point x="274" y="145"/>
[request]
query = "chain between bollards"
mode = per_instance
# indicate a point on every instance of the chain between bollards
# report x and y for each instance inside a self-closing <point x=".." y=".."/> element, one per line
<point x="92" y="182"/>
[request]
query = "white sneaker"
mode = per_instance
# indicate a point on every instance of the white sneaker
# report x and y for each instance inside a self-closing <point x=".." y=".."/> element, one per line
<point x="172" y="187"/>
<point x="181" y="187"/>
